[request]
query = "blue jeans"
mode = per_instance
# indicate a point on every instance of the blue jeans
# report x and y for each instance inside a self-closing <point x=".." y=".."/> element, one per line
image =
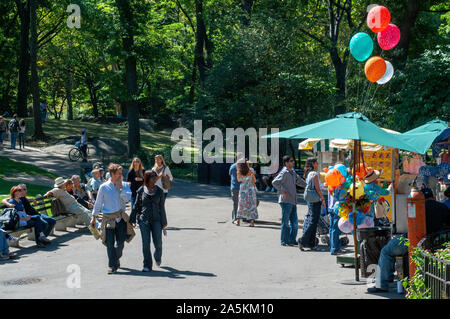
<point x="289" y="223"/>
<point x="43" y="117"/>
<point x="2" y="137"/>
<point x="4" y="248"/>
<point x="153" y="229"/>
<point x="310" y="226"/>
<point x="39" y="226"/>
<point x="114" y="250"/>
<point x="334" y="232"/>
<point x="386" y="264"/>
<point x="49" y="223"/>
<point x="13" y="136"/>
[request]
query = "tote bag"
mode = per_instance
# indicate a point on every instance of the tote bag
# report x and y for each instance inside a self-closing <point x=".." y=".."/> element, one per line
<point x="310" y="194"/>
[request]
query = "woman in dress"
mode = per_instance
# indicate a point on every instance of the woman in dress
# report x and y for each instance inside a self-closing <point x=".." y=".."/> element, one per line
<point x="135" y="177"/>
<point x="247" y="195"/>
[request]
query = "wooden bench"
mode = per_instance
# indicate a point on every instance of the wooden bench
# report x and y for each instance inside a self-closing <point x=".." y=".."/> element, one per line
<point x="42" y="206"/>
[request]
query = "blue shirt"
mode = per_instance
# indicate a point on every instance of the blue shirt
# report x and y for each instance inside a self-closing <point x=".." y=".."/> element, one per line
<point x="20" y="211"/>
<point x="235" y="185"/>
<point x="108" y="199"/>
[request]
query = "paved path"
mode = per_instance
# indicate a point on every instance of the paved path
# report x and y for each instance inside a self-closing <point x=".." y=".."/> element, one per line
<point x="204" y="256"/>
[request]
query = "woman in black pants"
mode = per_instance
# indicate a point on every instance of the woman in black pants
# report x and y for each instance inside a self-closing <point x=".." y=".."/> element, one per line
<point x="148" y="210"/>
<point x="312" y="218"/>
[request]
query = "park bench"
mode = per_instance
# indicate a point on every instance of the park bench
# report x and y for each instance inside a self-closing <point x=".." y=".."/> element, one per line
<point x="42" y="205"/>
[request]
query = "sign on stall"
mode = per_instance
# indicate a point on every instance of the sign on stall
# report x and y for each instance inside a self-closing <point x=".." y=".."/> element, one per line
<point x="381" y="160"/>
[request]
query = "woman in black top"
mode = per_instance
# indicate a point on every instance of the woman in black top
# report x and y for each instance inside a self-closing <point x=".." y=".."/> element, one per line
<point x="135" y="177"/>
<point x="148" y="210"/>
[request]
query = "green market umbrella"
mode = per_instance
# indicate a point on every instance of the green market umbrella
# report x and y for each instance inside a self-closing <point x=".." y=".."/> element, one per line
<point x="354" y="126"/>
<point x="423" y="136"/>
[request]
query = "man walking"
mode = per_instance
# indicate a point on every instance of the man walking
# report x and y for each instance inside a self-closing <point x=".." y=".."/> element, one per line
<point x="115" y="226"/>
<point x="14" y="131"/>
<point x="235" y="186"/>
<point x="285" y="183"/>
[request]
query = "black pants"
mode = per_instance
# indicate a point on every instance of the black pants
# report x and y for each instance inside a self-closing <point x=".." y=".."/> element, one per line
<point x="83" y="149"/>
<point x="21" y="140"/>
<point x="115" y="241"/>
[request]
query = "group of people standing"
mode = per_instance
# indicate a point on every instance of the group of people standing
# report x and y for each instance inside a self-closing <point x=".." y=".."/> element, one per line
<point x="286" y="181"/>
<point x="15" y="129"/>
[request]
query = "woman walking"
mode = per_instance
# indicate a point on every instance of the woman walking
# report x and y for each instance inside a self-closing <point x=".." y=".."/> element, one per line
<point x="164" y="176"/>
<point x="135" y="177"/>
<point x="247" y="195"/>
<point x="315" y="200"/>
<point x="26" y="220"/>
<point x="150" y="214"/>
<point x="22" y="134"/>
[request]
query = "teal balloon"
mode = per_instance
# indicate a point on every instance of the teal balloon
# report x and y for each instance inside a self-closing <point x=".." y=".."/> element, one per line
<point x="361" y="46"/>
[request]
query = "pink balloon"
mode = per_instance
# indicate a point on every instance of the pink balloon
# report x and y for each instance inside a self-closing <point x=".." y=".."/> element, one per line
<point x="389" y="37"/>
<point x="345" y="226"/>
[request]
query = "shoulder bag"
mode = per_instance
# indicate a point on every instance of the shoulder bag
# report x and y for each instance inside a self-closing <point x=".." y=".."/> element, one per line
<point x="165" y="181"/>
<point x="310" y="194"/>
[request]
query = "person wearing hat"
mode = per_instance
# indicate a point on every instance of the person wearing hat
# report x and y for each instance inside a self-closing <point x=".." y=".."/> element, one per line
<point x="374" y="192"/>
<point x="94" y="182"/>
<point x="437" y="217"/>
<point x="69" y="202"/>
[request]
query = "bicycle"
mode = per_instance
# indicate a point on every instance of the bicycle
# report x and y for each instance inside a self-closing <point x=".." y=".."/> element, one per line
<point x="76" y="153"/>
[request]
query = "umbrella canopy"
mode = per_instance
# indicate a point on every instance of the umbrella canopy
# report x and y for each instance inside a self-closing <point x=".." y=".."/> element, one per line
<point x="351" y="126"/>
<point x="423" y="136"/>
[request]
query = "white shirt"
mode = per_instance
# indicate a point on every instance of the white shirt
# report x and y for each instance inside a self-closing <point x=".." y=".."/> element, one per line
<point x="166" y="171"/>
<point x="108" y="199"/>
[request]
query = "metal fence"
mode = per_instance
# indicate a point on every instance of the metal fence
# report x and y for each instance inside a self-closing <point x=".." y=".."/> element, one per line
<point x="436" y="270"/>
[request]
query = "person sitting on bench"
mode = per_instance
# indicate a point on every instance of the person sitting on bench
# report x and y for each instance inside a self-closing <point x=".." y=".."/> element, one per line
<point x="69" y="202"/>
<point x="437" y="217"/>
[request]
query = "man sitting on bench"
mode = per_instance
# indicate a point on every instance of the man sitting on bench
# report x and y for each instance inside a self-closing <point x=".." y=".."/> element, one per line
<point x="69" y="202"/>
<point x="437" y="217"/>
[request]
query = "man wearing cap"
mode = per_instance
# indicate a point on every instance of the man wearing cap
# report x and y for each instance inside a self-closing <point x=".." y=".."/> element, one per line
<point x="437" y="217"/>
<point x="69" y="202"/>
<point x="115" y="226"/>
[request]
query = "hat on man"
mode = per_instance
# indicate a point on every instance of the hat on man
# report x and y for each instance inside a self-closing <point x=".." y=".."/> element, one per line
<point x="59" y="182"/>
<point x="372" y="176"/>
<point x="95" y="171"/>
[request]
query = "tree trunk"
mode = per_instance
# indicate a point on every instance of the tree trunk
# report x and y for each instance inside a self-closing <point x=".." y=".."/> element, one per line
<point x="408" y="21"/>
<point x="92" y="96"/>
<point x="38" y="132"/>
<point x="24" y="57"/>
<point x="247" y="7"/>
<point x="340" y="69"/>
<point x="200" y="40"/>
<point x="127" y="21"/>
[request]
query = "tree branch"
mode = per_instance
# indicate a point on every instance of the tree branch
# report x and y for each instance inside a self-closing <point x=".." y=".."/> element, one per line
<point x="312" y="36"/>
<point x="187" y="16"/>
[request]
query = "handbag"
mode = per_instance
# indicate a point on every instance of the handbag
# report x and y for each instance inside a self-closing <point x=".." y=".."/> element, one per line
<point x="310" y="195"/>
<point x="9" y="219"/>
<point x="165" y="181"/>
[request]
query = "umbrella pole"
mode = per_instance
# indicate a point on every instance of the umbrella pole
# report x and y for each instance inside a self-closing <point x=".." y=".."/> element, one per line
<point x="355" y="240"/>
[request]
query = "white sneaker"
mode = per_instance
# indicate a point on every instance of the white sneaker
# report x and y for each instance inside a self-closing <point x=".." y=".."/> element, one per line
<point x="158" y="263"/>
<point x="145" y="269"/>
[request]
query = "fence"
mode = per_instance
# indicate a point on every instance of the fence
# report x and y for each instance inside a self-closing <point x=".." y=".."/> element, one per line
<point x="436" y="270"/>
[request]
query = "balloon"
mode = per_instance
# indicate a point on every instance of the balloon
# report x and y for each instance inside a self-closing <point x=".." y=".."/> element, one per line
<point x="334" y="178"/>
<point x="341" y="168"/>
<point x="362" y="171"/>
<point x="359" y="189"/>
<point x="378" y="18"/>
<point x="389" y="37"/>
<point x="388" y="74"/>
<point x="375" y="68"/>
<point x="361" y="46"/>
<point x="367" y="222"/>
<point x="345" y="226"/>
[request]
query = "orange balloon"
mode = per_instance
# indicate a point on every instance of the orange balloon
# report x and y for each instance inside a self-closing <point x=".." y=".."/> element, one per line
<point x="375" y="68"/>
<point x="362" y="171"/>
<point x="334" y="178"/>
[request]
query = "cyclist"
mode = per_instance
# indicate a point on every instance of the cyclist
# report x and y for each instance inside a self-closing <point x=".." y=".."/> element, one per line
<point x="83" y="144"/>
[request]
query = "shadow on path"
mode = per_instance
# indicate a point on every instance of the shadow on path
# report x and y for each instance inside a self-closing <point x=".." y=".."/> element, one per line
<point x="170" y="273"/>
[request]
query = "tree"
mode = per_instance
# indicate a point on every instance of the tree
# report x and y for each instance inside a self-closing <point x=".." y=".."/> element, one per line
<point x="24" y="57"/>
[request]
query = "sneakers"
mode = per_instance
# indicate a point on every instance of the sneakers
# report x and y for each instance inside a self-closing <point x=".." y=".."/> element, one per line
<point x="158" y="263"/>
<point x="300" y="246"/>
<point x="4" y="257"/>
<point x="44" y="239"/>
<point x="146" y="269"/>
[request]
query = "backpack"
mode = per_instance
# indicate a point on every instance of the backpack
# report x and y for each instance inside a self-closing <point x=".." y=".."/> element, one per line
<point x="9" y="219"/>
<point x="13" y="126"/>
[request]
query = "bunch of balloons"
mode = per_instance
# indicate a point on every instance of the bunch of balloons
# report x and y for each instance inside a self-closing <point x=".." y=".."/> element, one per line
<point x="340" y="185"/>
<point x="361" y="45"/>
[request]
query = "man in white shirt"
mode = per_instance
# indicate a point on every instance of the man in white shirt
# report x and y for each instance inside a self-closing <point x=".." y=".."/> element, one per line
<point x="114" y="221"/>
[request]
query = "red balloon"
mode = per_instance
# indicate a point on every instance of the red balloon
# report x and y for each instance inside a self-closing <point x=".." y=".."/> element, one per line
<point x="334" y="178"/>
<point x="375" y="68"/>
<point x="378" y="18"/>
<point x="389" y="37"/>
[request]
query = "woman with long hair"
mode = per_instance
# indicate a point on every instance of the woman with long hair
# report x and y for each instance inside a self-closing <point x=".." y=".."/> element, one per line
<point x="28" y="221"/>
<point x="162" y="171"/>
<point x="135" y="177"/>
<point x="314" y="205"/>
<point x="148" y="210"/>
<point x="247" y="194"/>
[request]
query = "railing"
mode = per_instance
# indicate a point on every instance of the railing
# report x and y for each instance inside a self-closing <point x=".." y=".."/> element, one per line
<point x="436" y="270"/>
